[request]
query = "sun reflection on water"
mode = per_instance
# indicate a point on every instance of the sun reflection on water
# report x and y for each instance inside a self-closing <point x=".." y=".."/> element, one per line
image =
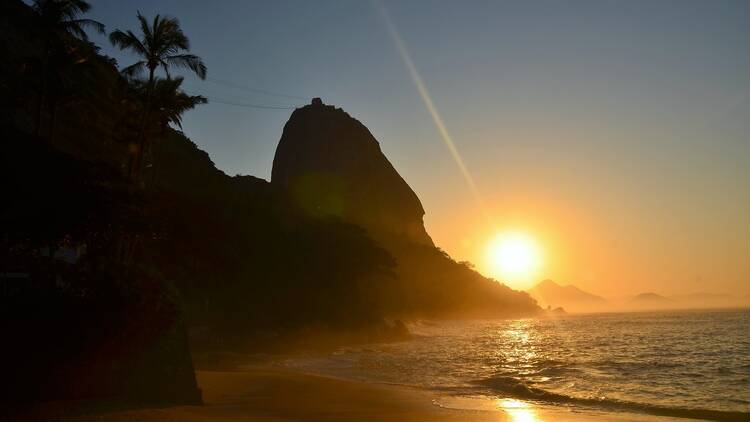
<point x="520" y="352"/>
<point x="518" y="410"/>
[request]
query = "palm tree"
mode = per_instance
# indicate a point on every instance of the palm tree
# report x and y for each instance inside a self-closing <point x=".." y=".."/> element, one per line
<point x="59" y="21"/>
<point x="60" y="17"/>
<point x="169" y="103"/>
<point x="162" y="44"/>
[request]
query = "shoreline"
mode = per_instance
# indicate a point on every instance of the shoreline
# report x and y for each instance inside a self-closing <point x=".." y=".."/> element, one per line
<point x="266" y="393"/>
<point x="270" y="393"/>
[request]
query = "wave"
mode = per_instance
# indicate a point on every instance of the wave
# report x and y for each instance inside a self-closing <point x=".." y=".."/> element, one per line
<point x="517" y="389"/>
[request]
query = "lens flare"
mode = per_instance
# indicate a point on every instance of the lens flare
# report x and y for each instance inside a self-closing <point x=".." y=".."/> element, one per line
<point x="430" y="105"/>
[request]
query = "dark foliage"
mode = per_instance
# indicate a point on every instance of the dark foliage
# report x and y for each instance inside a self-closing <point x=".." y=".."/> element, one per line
<point x="82" y="324"/>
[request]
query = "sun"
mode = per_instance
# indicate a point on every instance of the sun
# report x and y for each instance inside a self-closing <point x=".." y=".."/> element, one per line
<point x="514" y="257"/>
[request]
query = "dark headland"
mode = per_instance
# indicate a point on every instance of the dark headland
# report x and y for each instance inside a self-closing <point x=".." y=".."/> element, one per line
<point x="111" y="283"/>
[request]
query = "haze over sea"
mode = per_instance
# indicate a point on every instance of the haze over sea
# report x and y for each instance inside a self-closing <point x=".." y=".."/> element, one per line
<point x="686" y="363"/>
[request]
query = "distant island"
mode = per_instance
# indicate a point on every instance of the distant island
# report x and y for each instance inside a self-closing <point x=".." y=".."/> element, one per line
<point x="551" y="294"/>
<point x="569" y="297"/>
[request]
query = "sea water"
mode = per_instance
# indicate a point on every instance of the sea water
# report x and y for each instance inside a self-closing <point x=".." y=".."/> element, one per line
<point x="686" y="363"/>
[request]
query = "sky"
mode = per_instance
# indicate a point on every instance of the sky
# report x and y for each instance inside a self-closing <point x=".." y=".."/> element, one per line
<point x="614" y="133"/>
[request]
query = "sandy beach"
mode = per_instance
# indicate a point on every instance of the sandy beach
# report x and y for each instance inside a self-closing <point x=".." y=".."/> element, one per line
<point x="266" y="393"/>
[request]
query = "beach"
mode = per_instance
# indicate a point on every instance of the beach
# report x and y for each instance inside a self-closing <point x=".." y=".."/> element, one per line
<point x="269" y="393"/>
<point x="534" y="370"/>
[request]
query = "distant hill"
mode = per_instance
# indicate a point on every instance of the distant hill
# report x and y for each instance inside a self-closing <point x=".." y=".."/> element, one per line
<point x="570" y="297"/>
<point x="699" y="300"/>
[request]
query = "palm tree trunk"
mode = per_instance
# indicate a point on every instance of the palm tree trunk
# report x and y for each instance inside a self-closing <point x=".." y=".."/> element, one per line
<point x="144" y="120"/>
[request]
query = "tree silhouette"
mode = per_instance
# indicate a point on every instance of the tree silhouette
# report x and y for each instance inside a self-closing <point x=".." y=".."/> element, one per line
<point x="168" y="104"/>
<point x="161" y="44"/>
<point x="60" y="17"/>
<point x="58" y="21"/>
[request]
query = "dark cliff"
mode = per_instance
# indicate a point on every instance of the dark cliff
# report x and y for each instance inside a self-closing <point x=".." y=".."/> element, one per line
<point x="332" y="165"/>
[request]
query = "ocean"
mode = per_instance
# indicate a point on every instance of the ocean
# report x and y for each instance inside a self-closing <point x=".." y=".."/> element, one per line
<point x="682" y="364"/>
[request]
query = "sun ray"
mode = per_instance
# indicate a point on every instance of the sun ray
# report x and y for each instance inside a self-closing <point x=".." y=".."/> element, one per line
<point x="430" y="105"/>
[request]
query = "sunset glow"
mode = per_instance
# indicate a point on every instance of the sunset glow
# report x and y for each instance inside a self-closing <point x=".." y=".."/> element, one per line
<point x="514" y="258"/>
<point x="518" y="411"/>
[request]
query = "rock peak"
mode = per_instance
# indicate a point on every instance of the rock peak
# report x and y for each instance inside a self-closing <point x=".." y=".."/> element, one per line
<point x="332" y="166"/>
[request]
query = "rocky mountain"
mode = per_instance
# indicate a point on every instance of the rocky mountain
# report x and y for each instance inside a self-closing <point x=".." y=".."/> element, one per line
<point x="332" y="166"/>
<point x="570" y="297"/>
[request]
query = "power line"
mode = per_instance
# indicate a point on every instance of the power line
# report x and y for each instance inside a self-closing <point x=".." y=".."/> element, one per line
<point x="266" y="107"/>
<point x="225" y="101"/>
<point x="251" y="89"/>
<point x="206" y="91"/>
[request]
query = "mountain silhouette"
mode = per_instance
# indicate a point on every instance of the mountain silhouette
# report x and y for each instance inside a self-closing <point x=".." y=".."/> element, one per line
<point x="569" y="297"/>
<point x="332" y="166"/>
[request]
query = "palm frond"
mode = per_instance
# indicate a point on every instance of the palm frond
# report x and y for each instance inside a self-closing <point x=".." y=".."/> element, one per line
<point x="188" y="61"/>
<point x="81" y="6"/>
<point x="61" y="16"/>
<point x="90" y="23"/>
<point x="76" y="31"/>
<point x="164" y="65"/>
<point x="134" y="70"/>
<point x="127" y="41"/>
<point x="148" y="37"/>
<point x="160" y="45"/>
<point x="168" y="101"/>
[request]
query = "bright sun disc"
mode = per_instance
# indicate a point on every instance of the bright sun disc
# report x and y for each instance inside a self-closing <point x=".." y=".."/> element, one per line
<point x="513" y="256"/>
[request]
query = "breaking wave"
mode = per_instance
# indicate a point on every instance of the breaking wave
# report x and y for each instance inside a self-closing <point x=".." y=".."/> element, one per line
<point x="515" y="388"/>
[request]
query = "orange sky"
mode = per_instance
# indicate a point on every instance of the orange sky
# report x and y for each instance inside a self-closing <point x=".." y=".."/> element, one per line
<point x="605" y="244"/>
<point x="620" y="203"/>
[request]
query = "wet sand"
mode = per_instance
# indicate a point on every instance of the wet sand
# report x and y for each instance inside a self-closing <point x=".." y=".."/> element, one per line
<point x="271" y="394"/>
<point x="267" y="394"/>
